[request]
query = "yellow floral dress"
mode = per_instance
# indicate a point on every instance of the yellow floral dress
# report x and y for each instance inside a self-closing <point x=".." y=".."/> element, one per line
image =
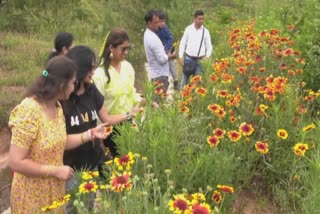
<point x="45" y="140"/>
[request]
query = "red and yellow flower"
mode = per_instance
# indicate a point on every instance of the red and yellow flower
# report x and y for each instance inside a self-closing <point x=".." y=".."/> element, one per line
<point x="120" y="181"/>
<point x="261" y="147"/>
<point x="216" y="197"/>
<point x="246" y="129"/>
<point x="90" y="175"/>
<point x="124" y="161"/>
<point x="213" y="141"/>
<point x="309" y="127"/>
<point x="225" y="188"/>
<point x="219" y="133"/>
<point x="179" y="204"/>
<point x="89" y="186"/>
<point x="282" y="133"/>
<point x="300" y="149"/>
<point x="234" y="135"/>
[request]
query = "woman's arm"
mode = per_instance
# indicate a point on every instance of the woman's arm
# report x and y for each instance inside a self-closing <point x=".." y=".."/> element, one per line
<point x="75" y="140"/>
<point x="113" y="119"/>
<point x="19" y="162"/>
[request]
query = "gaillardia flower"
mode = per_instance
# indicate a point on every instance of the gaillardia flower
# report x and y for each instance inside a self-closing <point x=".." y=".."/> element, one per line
<point x="202" y="208"/>
<point x="309" y="127"/>
<point x="300" y="149"/>
<point x="216" y="197"/>
<point x="124" y="161"/>
<point x="120" y="182"/>
<point x="213" y="141"/>
<point x="90" y="175"/>
<point x="225" y="188"/>
<point x="89" y="186"/>
<point x="234" y="135"/>
<point x="262" y="147"/>
<point x="282" y="133"/>
<point x="180" y="204"/>
<point x="246" y="129"/>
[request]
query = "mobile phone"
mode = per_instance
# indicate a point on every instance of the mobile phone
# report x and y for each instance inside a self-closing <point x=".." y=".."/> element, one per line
<point x="172" y="49"/>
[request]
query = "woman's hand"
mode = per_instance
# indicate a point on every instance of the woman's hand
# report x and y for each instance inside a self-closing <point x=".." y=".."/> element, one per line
<point x="61" y="172"/>
<point x="99" y="131"/>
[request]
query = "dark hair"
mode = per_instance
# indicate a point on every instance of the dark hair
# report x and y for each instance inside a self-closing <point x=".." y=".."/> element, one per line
<point x="149" y="15"/>
<point x="84" y="58"/>
<point x="62" y="39"/>
<point x="116" y="37"/>
<point x="60" y="70"/>
<point x="162" y="15"/>
<point x="198" y="13"/>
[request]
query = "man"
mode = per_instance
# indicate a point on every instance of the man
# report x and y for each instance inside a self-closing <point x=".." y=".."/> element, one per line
<point x="157" y="58"/>
<point x="167" y="40"/>
<point x="190" y="44"/>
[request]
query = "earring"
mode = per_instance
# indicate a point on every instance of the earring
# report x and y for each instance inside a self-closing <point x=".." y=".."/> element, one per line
<point x="111" y="56"/>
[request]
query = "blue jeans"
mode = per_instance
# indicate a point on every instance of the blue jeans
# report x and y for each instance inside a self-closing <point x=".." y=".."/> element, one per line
<point x="185" y="78"/>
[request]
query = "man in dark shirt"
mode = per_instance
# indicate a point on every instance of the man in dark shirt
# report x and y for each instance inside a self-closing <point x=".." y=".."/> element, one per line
<point x="167" y="40"/>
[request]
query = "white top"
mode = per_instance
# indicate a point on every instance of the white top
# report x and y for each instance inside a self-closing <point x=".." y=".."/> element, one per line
<point x="156" y="56"/>
<point x="190" y="42"/>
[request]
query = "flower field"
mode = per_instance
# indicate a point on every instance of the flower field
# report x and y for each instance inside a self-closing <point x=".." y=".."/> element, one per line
<point x="248" y="122"/>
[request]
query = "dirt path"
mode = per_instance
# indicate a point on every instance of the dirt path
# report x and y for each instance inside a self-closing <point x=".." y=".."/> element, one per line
<point x="5" y="176"/>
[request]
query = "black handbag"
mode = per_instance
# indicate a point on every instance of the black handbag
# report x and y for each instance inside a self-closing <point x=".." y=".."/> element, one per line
<point x="189" y="67"/>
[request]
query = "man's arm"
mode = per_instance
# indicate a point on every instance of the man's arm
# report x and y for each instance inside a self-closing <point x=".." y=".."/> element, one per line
<point x="208" y="44"/>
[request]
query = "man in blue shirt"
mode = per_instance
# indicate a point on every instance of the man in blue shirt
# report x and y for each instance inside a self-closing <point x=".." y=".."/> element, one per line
<point x="166" y="38"/>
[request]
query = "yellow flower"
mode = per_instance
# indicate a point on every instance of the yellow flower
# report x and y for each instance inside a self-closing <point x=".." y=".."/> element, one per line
<point x="90" y="175"/>
<point x="282" y="133"/>
<point x="300" y="149"/>
<point x="309" y="127"/>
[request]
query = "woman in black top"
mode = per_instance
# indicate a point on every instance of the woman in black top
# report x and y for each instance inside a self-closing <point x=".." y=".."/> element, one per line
<point x="83" y="109"/>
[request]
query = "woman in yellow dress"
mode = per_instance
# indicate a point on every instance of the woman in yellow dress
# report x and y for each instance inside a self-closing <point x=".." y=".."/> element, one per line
<point x="39" y="139"/>
<point x="115" y="79"/>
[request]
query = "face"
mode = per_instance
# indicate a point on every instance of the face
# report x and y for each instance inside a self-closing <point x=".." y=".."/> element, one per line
<point x="65" y="50"/>
<point x="161" y="23"/>
<point x="88" y="77"/>
<point x="121" y="51"/>
<point x="154" y="24"/>
<point x="198" y="21"/>
<point x="69" y="89"/>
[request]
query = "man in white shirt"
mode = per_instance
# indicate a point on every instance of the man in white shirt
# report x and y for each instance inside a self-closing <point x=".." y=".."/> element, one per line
<point x="157" y="58"/>
<point x="190" y="45"/>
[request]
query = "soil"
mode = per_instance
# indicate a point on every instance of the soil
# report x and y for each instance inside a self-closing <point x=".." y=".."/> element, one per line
<point x="5" y="174"/>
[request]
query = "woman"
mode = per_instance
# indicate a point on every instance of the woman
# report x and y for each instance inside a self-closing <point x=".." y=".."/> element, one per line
<point x="115" y="79"/>
<point x="39" y="138"/>
<point x="63" y="42"/>
<point x="83" y="109"/>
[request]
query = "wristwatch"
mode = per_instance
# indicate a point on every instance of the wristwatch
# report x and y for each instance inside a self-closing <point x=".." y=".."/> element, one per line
<point x="128" y="117"/>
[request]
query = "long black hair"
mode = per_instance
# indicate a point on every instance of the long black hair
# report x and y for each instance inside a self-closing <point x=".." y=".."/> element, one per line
<point x="116" y="37"/>
<point x="62" y="39"/>
<point x="85" y="60"/>
<point x="54" y="79"/>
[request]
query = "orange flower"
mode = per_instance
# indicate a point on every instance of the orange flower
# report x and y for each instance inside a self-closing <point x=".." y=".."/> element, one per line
<point x="202" y="208"/>
<point x="108" y="130"/>
<point x="202" y="91"/>
<point x="225" y="188"/>
<point x="213" y="107"/>
<point x="196" y="79"/>
<point x="184" y="109"/>
<point x="222" y="93"/>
